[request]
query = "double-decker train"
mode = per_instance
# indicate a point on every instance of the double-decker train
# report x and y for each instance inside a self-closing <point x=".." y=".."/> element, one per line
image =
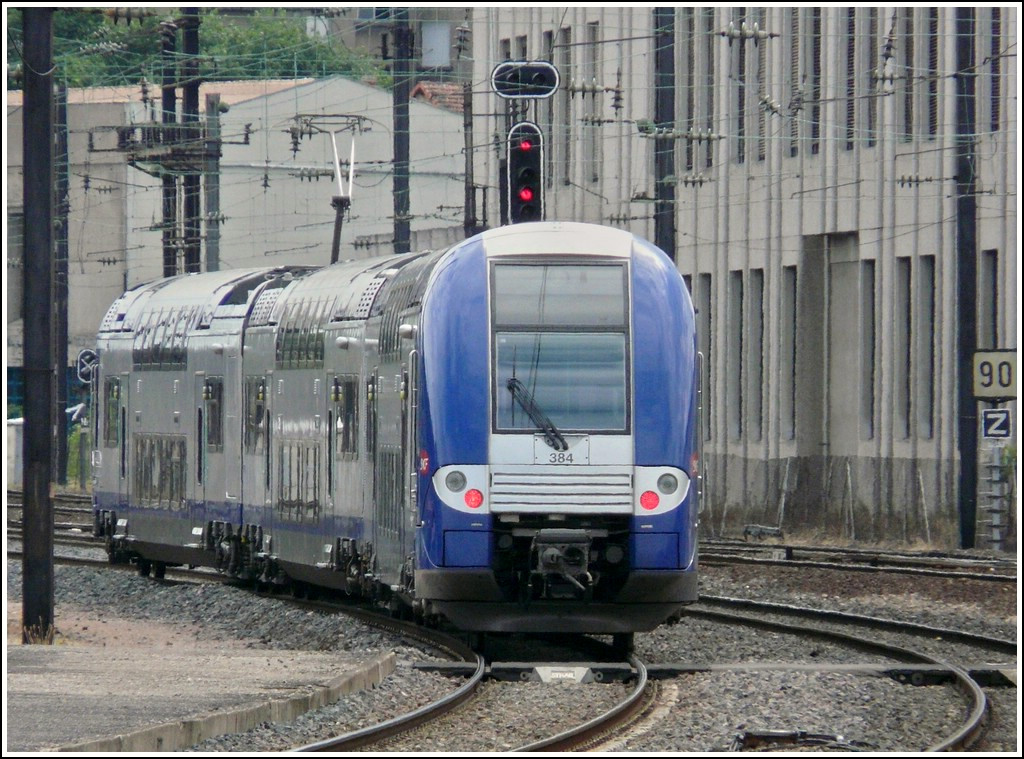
<point x="502" y="433"/>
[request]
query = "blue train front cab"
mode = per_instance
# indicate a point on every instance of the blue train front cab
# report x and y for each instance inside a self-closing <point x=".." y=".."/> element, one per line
<point x="557" y="486"/>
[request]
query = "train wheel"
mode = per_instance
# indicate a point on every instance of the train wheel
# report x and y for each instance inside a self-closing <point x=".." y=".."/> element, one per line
<point x="159" y="570"/>
<point x="144" y="567"/>
<point x="623" y="643"/>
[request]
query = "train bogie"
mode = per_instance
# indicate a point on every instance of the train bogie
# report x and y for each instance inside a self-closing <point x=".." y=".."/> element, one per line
<point x="501" y="433"/>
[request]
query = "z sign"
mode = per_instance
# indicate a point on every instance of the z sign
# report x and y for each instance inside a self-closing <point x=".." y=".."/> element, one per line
<point x="995" y="423"/>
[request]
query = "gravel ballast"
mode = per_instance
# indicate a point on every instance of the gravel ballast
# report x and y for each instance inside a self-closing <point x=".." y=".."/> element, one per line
<point x="706" y="713"/>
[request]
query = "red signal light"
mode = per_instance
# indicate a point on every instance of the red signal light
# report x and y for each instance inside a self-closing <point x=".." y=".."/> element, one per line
<point x="526" y="194"/>
<point x="525" y="145"/>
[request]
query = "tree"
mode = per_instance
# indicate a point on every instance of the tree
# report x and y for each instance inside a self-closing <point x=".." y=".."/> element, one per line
<point x="92" y="49"/>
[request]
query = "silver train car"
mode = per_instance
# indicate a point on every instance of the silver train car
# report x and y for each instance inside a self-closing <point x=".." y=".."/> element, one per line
<point x="502" y="433"/>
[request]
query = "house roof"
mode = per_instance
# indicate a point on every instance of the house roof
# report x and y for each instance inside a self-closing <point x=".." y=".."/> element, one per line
<point x="442" y="94"/>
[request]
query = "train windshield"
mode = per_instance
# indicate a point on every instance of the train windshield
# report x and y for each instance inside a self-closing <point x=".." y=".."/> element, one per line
<point x="560" y="347"/>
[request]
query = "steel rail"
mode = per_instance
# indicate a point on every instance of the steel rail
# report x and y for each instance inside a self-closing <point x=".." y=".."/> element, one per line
<point x="405" y="722"/>
<point x="1003" y="645"/>
<point x="600" y="725"/>
<point x="721" y="559"/>
<point x="965" y="735"/>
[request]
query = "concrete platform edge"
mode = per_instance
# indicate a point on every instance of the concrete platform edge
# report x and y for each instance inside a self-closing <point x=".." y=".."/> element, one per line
<point x="182" y="734"/>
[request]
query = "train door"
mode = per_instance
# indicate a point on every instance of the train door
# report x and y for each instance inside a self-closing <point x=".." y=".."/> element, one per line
<point x="123" y="391"/>
<point x="197" y="506"/>
<point x="411" y="436"/>
<point x="255" y="468"/>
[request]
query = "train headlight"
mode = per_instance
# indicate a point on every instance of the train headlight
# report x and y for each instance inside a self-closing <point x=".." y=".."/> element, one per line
<point x="455" y="481"/>
<point x="667" y="483"/>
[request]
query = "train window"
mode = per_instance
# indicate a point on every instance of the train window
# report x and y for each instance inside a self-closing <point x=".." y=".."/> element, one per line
<point x="213" y="392"/>
<point x="543" y="295"/>
<point x="158" y="470"/>
<point x="298" y="481"/>
<point x="554" y="367"/>
<point x="346" y="424"/>
<point x="255" y="404"/>
<point x="111" y="404"/>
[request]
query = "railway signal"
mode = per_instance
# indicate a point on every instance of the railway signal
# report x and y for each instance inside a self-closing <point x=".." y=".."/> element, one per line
<point x="525" y="173"/>
<point x="514" y="80"/>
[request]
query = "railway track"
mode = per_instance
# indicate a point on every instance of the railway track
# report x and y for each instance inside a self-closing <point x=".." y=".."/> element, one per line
<point x="930" y="563"/>
<point x="961" y="737"/>
<point x="654" y="700"/>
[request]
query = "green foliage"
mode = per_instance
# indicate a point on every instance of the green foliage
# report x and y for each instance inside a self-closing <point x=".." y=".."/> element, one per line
<point x="90" y="49"/>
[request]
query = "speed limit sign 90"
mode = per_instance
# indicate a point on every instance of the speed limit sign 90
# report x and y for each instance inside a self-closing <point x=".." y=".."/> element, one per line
<point x="995" y="374"/>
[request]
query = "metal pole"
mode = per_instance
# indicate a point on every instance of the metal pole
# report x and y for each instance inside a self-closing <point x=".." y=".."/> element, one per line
<point x="37" y="146"/>
<point x="402" y="74"/>
<point x="212" y="182"/>
<point x="61" y="285"/>
<point x="966" y="248"/>
<point x="469" y="223"/>
<point x="168" y="136"/>
<point x="664" y="117"/>
<point x="190" y="117"/>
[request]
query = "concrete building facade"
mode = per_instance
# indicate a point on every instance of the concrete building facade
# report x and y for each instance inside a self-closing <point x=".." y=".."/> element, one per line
<point x="274" y="193"/>
<point x="814" y="174"/>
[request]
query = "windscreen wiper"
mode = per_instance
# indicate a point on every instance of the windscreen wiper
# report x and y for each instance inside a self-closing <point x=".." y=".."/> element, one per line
<point x="525" y="399"/>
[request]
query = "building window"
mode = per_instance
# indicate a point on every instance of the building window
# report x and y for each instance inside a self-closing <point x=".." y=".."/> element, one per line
<point x="850" y="42"/>
<point x="687" y="78"/>
<point x="872" y="69"/>
<point x="521" y="48"/>
<point x="709" y="83"/>
<point x="565" y="97"/>
<point x="988" y="299"/>
<point x="734" y="380"/>
<point x="760" y="87"/>
<point x="739" y="63"/>
<point x="902" y="349"/>
<point x="925" y="330"/>
<point x="995" y="68"/>
<point x="814" y="84"/>
<point x="437" y="44"/>
<point x="906" y="41"/>
<point x="705" y="298"/>
<point x="933" y="72"/>
<point x="787" y="354"/>
<point x="591" y="75"/>
<point x="755" y="354"/>
<point x="867" y="349"/>
<point x="795" y="92"/>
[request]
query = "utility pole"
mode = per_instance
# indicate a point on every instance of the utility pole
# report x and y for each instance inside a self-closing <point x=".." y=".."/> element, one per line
<point x="168" y="136"/>
<point x="37" y="146"/>
<point x="400" y="132"/>
<point x="967" y="274"/>
<point x="469" y="223"/>
<point x="60" y="336"/>
<point x="664" y="118"/>
<point x="191" y="135"/>
<point x="211" y="170"/>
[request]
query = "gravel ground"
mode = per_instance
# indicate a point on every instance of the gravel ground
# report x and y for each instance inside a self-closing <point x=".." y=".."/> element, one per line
<point x="705" y="713"/>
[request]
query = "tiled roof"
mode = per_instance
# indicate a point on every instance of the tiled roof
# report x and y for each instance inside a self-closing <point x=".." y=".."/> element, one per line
<point x="442" y="94"/>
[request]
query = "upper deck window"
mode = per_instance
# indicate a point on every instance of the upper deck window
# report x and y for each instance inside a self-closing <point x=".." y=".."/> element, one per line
<point x="560" y="295"/>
